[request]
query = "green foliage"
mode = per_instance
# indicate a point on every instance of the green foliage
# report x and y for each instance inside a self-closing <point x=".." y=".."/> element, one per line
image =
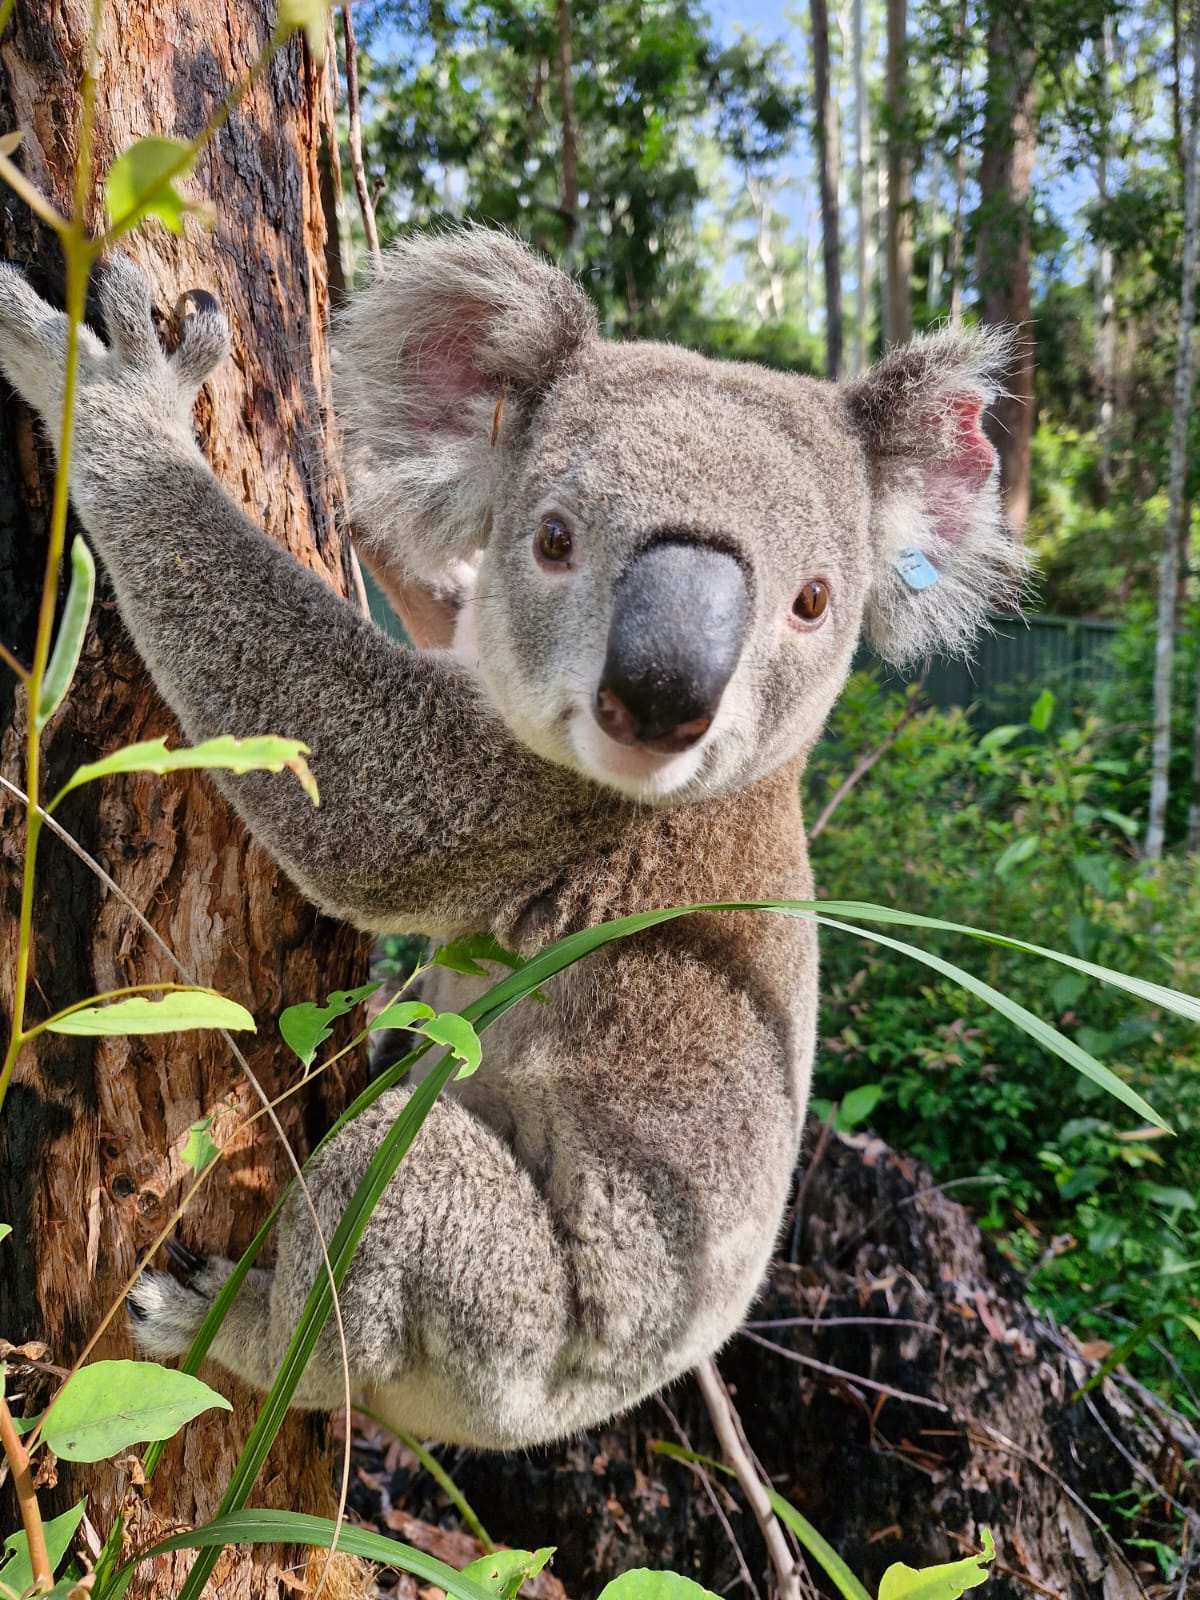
<point x="502" y="1572"/>
<point x="946" y="1582"/>
<point x="1030" y="829"/>
<point x="266" y="753"/>
<point x="141" y="183"/>
<point x="174" y="1012"/>
<point x="642" y="1583"/>
<point x="306" y="1026"/>
<point x="16" y="1570"/>
<point x="69" y="642"/>
<point x="109" y="1405"/>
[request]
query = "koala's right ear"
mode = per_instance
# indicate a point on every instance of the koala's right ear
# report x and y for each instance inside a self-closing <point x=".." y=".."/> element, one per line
<point x="452" y="326"/>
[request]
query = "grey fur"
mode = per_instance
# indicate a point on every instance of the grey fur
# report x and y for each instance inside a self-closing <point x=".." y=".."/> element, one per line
<point x="593" y="1212"/>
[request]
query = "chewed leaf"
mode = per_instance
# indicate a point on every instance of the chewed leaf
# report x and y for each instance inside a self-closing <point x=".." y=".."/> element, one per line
<point x="264" y="753"/>
<point x="945" y="1582"/>
<point x="69" y="641"/>
<point x="104" y="1408"/>
<point x="309" y="15"/>
<point x="199" y="1151"/>
<point x="173" y="1013"/>
<point x="141" y="183"/>
<point x="307" y="1025"/>
<point x="402" y="1014"/>
<point x="450" y="1029"/>
<point x="504" y="1571"/>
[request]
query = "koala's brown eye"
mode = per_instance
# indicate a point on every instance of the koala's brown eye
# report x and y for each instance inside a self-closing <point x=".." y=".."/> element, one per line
<point x="810" y="605"/>
<point x="553" y="541"/>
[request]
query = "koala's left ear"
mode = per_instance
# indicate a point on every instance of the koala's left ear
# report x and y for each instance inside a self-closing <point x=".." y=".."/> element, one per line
<point x="943" y="555"/>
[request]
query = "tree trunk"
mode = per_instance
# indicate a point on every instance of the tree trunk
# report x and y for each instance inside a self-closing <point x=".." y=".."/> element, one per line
<point x="862" y="137"/>
<point x="898" y="301"/>
<point x="1168" y="570"/>
<point x="906" y="1399"/>
<point x="570" y="160"/>
<point x="1003" y="246"/>
<point x="91" y="1138"/>
<point x="1106" y="325"/>
<point x="827" y="159"/>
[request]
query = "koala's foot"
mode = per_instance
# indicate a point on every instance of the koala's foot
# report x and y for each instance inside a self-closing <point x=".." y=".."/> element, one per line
<point x="165" y="1315"/>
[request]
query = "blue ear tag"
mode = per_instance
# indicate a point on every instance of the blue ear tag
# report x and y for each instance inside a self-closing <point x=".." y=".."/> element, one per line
<point x="915" y="568"/>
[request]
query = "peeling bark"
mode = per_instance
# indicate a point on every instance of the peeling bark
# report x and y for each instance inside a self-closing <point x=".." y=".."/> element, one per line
<point x="91" y="1137"/>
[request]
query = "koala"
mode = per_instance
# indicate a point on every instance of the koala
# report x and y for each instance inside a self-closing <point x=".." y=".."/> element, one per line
<point x="641" y="576"/>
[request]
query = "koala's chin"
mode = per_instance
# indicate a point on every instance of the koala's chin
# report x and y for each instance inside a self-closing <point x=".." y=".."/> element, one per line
<point x="633" y="771"/>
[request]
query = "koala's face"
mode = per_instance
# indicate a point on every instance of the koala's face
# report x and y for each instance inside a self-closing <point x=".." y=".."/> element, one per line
<point x="674" y="583"/>
<point x="677" y="554"/>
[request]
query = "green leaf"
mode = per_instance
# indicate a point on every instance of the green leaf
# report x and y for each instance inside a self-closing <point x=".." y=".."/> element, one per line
<point x="141" y="183"/>
<point x="5" y="1229"/>
<point x="309" y="15"/>
<point x="819" y="1548"/>
<point x="199" y="1151"/>
<point x="175" y="1012"/>
<point x="944" y="1582"/>
<point x="16" y="1573"/>
<point x="1067" y="990"/>
<point x="293" y="1527"/>
<point x="504" y="1571"/>
<point x="402" y="1014"/>
<point x="456" y="1032"/>
<point x="997" y="738"/>
<point x="307" y="1025"/>
<point x="857" y="1106"/>
<point x="1042" y="711"/>
<point x="641" y="1583"/>
<point x="465" y="954"/>
<point x="24" y="1425"/>
<point x="265" y="753"/>
<point x="104" y="1408"/>
<point x="69" y="642"/>
<point x="1019" y="850"/>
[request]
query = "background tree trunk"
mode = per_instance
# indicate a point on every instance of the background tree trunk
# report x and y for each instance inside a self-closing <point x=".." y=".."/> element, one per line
<point x="1169" y="561"/>
<point x="1003" y="244"/>
<point x="898" y="299"/>
<point x="91" y="1137"/>
<point x="927" y="1404"/>
<point x="828" y="162"/>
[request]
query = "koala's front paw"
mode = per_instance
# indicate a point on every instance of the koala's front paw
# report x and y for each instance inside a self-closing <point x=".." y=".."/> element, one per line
<point x="127" y="390"/>
<point x="164" y="1315"/>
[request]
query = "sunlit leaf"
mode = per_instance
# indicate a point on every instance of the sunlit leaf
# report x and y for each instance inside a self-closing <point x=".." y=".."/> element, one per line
<point x="69" y="640"/>
<point x="401" y="1014"/>
<point x="173" y="1013"/>
<point x="642" y="1583"/>
<point x="108" y="1406"/>
<point x="141" y="183"/>
<point x="309" y="15"/>
<point x="5" y="1229"/>
<point x="504" y="1571"/>
<point x="307" y="1025"/>
<point x="199" y="1151"/>
<point x="16" y="1572"/>
<point x="944" y="1582"/>
<point x="265" y="753"/>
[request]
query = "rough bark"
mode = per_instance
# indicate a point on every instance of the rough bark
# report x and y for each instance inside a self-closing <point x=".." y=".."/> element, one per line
<point x="1003" y="243"/>
<point x="953" y="1413"/>
<point x="1169" y="562"/>
<point x="898" y="302"/>
<point x="827" y="162"/>
<point x="91" y="1137"/>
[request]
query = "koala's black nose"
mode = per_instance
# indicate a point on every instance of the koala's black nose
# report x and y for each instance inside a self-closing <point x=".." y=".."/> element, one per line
<point x="680" y="613"/>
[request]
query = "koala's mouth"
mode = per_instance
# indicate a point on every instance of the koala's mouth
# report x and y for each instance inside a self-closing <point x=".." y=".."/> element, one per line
<point x="635" y="770"/>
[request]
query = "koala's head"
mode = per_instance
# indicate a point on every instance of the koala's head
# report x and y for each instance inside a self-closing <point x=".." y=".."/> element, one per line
<point x="678" y="555"/>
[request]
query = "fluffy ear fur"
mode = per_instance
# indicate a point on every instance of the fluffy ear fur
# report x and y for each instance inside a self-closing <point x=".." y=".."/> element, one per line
<point x="944" y="556"/>
<point x="451" y="327"/>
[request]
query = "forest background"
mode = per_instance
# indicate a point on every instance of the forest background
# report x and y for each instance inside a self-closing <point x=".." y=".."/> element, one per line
<point x="804" y="188"/>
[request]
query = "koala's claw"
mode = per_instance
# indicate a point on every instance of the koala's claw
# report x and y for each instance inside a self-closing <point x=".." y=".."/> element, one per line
<point x="199" y="334"/>
<point x="188" y="1262"/>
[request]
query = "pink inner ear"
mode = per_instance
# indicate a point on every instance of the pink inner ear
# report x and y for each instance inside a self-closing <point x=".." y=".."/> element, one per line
<point x="952" y="484"/>
<point x="442" y="375"/>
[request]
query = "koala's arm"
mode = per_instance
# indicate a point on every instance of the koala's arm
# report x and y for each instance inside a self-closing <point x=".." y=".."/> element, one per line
<point x="430" y="814"/>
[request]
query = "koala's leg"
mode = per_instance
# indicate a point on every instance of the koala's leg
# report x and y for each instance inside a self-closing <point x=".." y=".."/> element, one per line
<point x="457" y="1339"/>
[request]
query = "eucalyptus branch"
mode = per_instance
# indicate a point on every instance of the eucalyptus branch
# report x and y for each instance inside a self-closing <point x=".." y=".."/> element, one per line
<point x="354" y="118"/>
